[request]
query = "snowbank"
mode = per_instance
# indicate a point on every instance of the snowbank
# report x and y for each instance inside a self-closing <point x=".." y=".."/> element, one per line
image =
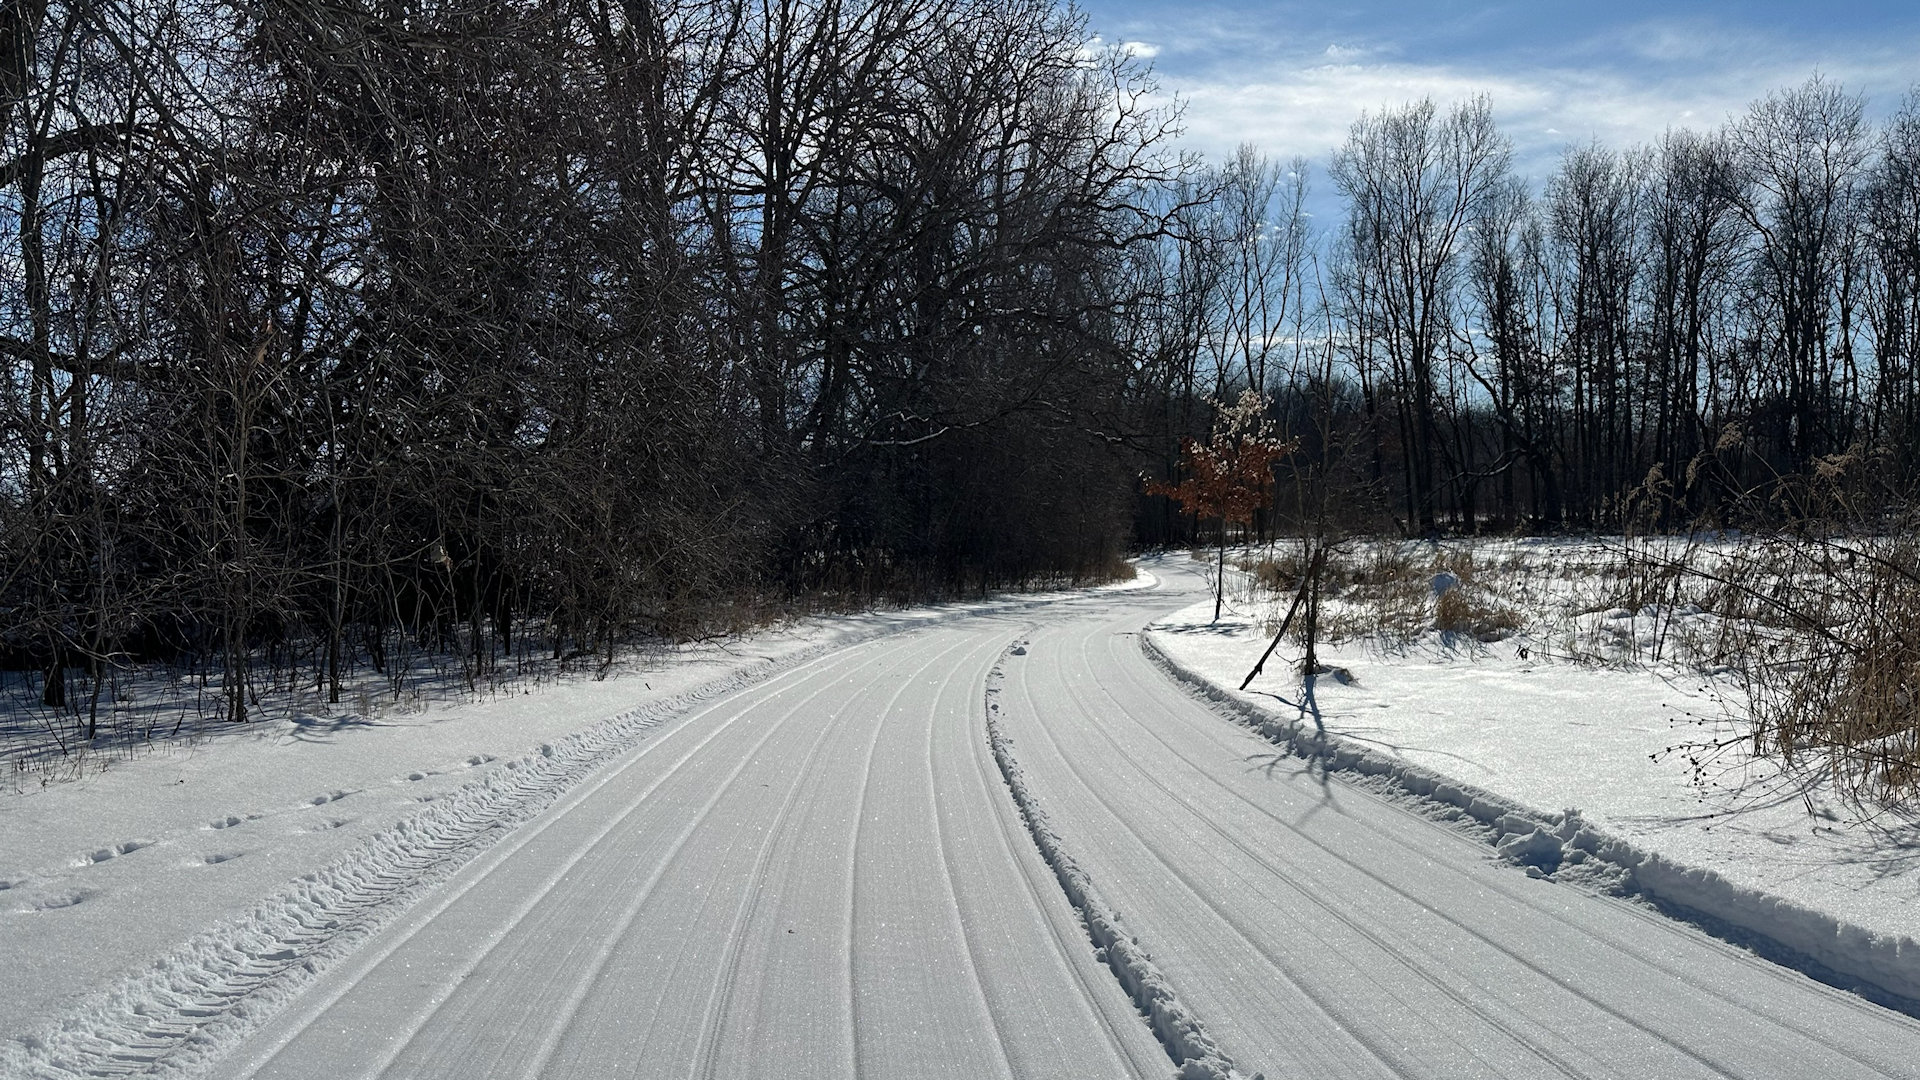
<point x="1588" y="737"/>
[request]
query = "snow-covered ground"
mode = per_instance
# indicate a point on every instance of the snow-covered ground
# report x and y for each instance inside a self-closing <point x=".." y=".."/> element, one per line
<point x="1644" y="755"/>
<point x="1324" y="923"/>
<point x="891" y="843"/>
<point x="118" y="866"/>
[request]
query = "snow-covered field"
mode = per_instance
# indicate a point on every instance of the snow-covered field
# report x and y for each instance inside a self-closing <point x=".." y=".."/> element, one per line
<point x="1643" y="751"/>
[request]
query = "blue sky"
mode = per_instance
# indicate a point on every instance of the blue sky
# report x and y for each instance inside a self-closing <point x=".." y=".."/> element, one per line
<point x="1291" y="77"/>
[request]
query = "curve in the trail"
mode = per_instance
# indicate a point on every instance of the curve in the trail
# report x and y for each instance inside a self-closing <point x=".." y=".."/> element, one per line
<point x="1324" y="931"/>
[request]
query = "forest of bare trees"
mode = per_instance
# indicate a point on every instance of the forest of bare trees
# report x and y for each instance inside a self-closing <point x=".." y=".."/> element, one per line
<point x="1717" y="329"/>
<point x="331" y="329"/>
<point x="332" y="326"/>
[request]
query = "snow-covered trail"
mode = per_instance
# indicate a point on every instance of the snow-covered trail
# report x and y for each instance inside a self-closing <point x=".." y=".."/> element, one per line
<point x="821" y="876"/>
<point x="1323" y="931"/>
<point x="824" y="876"/>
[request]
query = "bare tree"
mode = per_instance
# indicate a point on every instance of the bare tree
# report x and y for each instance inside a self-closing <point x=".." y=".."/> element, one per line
<point x="1893" y="232"/>
<point x="1694" y="238"/>
<point x="1802" y="154"/>
<point x="1415" y="181"/>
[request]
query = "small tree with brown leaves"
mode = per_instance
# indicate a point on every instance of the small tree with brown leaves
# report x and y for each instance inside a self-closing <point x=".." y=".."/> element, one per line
<point x="1230" y="476"/>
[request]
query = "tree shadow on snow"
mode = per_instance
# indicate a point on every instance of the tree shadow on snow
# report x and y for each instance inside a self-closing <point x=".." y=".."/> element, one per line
<point x="1312" y="750"/>
<point x="319" y="729"/>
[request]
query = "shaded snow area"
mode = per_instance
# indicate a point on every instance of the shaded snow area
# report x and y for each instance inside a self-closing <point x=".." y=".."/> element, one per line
<point x="153" y="910"/>
<point x="1629" y="779"/>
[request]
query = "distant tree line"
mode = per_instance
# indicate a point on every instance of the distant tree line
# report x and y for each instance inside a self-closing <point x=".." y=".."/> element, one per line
<point x="336" y="329"/>
<point x="1722" y="328"/>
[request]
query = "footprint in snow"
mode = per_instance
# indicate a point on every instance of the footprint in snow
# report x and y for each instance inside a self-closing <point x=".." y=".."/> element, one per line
<point x="329" y="825"/>
<point x="113" y="852"/>
<point x="324" y="799"/>
<point x="219" y="857"/>
<point x="480" y="759"/>
<point x="56" y="901"/>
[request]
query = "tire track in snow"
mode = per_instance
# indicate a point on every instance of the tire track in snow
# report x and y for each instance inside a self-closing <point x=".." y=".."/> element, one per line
<point x="583" y="985"/>
<point x="956" y="917"/>
<point x="590" y="848"/>
<point x="1016" y="843"/>
<point x="721" y="996"/>
<point x="365" y="963"/>
<point x="1198" y="1056"/>
<point x="1356" y="1030"/>
<point x="1565" y="985"/>
<point x="727" y="975"/>
<point x="852" y="863"/>
<point x="1314" y="998"/>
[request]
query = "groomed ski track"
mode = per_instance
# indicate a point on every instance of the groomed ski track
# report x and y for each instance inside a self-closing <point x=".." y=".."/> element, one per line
<point x="825" y="875"/>
<point x="821" y="877"/>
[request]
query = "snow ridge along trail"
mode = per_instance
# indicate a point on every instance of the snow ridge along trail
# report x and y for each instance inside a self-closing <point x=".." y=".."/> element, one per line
<point x="1199" y="1057"/>
<point x="1881" y="967"/>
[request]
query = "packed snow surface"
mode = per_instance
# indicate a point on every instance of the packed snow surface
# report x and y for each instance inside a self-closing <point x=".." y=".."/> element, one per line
<point x="351" y="834"/>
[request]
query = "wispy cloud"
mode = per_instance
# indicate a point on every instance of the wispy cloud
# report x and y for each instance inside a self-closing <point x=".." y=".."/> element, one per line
<point x="1625" y="86"/>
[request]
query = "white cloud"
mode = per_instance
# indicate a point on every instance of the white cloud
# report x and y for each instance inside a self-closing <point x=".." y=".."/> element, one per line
<point x="1308" y="108"/>
<point x="1142" y="49"/>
